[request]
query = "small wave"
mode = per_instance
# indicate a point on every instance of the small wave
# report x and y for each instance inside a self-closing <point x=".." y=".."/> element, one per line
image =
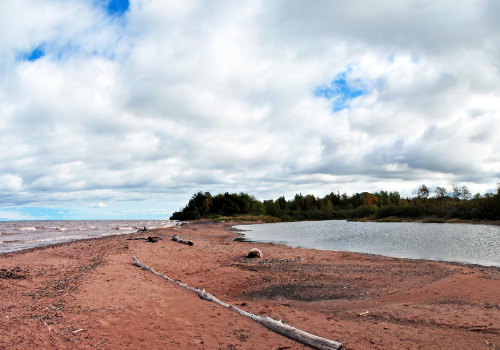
<point x="57" y="239"/>
<point x="27" y="229"/>
<point x="81" y="229"/>
<point x="58" y="228"/>
<point x="123" y="228"/>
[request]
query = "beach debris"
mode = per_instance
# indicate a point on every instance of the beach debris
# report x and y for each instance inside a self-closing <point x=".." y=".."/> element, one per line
<point x="15" y="273"/>
<point x="179" y="240"/>
<point x="279" y="327"/>
<point x="490" y="344"/>
<point x="179" y="225"/>
<point x="150" y="239"/>
<point x="255" y="253"/>
<point x="366" y="313"/>
<point x="78" y="330"/>
<point x="145" y="229"/>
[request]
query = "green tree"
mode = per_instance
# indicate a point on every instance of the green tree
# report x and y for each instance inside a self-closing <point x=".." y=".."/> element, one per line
<point x="309" y="202"/>
<point x="258" y="208"/>
<point x="282" y="203"/>
<point x="272" y="208"/>
<point x="395" y="197"/>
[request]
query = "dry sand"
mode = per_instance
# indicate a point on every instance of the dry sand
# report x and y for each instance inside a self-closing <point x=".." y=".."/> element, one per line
<point x="88" y="294"/>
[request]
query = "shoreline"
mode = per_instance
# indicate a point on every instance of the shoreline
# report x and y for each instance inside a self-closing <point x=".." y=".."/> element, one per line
<point x="87" y="294"/>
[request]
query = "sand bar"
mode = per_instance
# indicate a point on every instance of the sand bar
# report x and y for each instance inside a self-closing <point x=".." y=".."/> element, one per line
<point x="88" y="294"/>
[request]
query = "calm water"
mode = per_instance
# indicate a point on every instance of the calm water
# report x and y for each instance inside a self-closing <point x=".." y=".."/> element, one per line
<point x="18" y="235"/>
<point x="476" y="244"/>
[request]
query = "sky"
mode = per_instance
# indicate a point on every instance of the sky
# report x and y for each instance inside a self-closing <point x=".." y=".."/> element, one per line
<point x="125" y="109"/>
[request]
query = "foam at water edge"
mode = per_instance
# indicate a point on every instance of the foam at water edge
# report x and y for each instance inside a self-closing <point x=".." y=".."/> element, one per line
<point x="59" y="228"/>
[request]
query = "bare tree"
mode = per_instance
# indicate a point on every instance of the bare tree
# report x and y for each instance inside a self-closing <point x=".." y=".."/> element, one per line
<point x="465" y="193"/>
<point x="423" y="192"/>
<point x="456" y="192"/>
<point x="440" y="192"/>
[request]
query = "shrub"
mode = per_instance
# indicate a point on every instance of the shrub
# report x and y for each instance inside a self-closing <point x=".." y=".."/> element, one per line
<point x="386" y="211"/>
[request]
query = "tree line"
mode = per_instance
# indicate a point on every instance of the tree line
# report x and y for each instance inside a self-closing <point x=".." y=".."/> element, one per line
<point x="439" y="204"/>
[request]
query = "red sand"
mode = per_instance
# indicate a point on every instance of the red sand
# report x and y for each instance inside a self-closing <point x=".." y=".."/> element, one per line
<point x="88" y="294"/>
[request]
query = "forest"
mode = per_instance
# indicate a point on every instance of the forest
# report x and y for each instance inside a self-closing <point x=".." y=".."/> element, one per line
<point x="437" y="205"/>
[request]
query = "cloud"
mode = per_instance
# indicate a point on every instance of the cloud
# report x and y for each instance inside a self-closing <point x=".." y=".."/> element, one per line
<point x="12" y="215"/>
<point x="150" y="101"/>
<point x="98" y="205"/>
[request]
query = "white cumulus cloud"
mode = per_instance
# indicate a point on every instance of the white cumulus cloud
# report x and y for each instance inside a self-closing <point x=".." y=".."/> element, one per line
<point x="272" y="98"/>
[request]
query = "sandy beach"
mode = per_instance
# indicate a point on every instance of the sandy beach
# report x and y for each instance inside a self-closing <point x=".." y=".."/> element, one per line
<point x="88" y="294"/>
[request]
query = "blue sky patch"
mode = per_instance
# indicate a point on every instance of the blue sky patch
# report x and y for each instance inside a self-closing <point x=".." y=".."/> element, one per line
<point x="117" y="7"/>
<point x="29" y="213"/>
<point x="33" y="55"/>
<point x="342" y="91"/>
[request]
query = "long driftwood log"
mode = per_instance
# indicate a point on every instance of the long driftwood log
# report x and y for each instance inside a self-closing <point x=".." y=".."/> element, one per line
<point x="276" y="326"/>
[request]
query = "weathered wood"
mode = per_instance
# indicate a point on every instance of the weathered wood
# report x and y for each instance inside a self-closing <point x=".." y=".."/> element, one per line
<point x="178" y="239"/>
<point x="151" y="239"/>
<point x="276" y="326"/>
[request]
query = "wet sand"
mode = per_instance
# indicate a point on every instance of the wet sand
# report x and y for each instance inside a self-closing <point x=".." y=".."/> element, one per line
<point x="88" y="294"/>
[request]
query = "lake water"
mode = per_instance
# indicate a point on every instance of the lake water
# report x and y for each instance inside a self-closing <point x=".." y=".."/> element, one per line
<point x="475" y="244"/>
<point x="18" y="235"/>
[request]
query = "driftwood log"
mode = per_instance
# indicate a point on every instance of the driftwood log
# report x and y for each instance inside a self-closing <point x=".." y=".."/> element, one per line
<point x="151" y="239"/>
<point x="276" y="326"/>
<point x="178" y="239"/>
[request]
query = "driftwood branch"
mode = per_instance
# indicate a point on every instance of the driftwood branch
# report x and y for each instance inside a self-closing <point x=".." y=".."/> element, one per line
<point x="276" y="326"/>
<point x="178" y="239"/>
<point x="151" y="239"/>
